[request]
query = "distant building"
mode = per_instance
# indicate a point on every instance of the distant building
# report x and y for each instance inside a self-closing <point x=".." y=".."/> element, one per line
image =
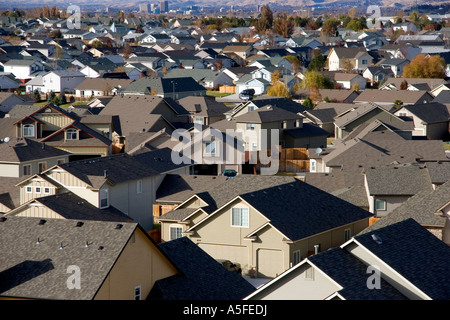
<point x="164" y="6"/>
<point x="143" y="7"/>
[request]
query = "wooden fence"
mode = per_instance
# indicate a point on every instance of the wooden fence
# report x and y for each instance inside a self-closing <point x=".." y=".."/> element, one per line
<point x="294" y="160"/>
<point x="227" y="89"/>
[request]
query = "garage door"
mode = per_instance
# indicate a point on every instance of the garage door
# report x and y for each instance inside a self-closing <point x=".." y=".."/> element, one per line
<point x="270" y="263"/>
<point x="232" y="253"/>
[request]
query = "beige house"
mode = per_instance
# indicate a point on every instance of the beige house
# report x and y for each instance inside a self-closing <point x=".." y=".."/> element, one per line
<point x="65" y="259"/>
<point x="78" y="135"/>
<point x="265" y="223"/>
<point x="380" y="264"/>
<point x="23" y="157"/>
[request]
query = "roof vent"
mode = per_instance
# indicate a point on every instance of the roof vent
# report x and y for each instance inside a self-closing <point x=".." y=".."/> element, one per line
<point x="79" y="224"/>
<point x="376" y="238"/>
<point x="119" y="226"/>
<point x="42" y="221"/>
<point x="101" y="248"/>
<point x="38" y="241"/>
<point x="2" y="219"/>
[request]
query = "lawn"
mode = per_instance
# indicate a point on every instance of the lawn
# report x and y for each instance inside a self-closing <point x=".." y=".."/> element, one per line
<point x="216" y="94"/>
<point x="43" y="103"/>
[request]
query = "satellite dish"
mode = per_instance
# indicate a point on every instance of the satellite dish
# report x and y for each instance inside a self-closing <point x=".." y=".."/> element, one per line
<point x="6" y="140"/>
<point x="319" y="150"/>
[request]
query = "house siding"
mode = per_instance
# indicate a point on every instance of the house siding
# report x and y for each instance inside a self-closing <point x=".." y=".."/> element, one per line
<point x="140" y="264"/>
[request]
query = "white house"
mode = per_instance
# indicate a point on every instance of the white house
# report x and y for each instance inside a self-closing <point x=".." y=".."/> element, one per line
<point x="23" y="68"/>
<point x="61" y="80"/>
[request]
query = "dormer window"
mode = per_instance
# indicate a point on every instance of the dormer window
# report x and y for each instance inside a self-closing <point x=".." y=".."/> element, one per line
<point x="28" y="130"/>
<point x="71" y="134"/>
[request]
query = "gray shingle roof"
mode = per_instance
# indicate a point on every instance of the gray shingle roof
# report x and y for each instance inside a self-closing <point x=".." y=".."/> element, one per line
<point x="23" y="149"/>
<point x="432" y="112"/>
<point x="200" y="278"/>
<point x="351" y="274"/>
<point x="39" y="271"/>
<point x="420" y="207"/>
<point x="71" y="206"/>
<point x="414" y="252"/>
<point x="405" y="179"/>
<point x="299" y="210"/>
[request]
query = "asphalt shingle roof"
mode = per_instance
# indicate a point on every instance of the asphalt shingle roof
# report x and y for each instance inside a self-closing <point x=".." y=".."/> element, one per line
<point x="39" y="271"/>
<point x="200" y="278"/>
<point x="414" y="252"/>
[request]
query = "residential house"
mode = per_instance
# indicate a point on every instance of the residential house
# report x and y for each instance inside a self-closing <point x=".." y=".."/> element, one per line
<point x="370" y="148"/>
<point x="61" y="81"/>
<point x="9" y="194"/>
<point x="143" y="114"/>
<point x="428" y="207"/>
<point x="428" y="84"/>
<point x="431" y="120"/>
<point x="388" y="253"/>
<point x="99" y="87"/>
<point x="175" y="189"/>
<point x="8" y="82"/>
<point x="407" y="27"/>
<point x="127" y="183"/>
<point x="9" y="100"/>
<point x="22" y="157"/>
<point x="204" y="110"/>
<point x="210" y="79"/>
<point x="122" y="266"/>
<point x="390" y="186"/>
<point x="350" y="81"/>
<point x="240" y="220"/>
<point x="260" y="85"/>
<point x="345" y="123"/>
<point x="376" y="75"/>
<point x="214" y="283"/>
<point x="51" y="125"/>
<point x="22" y="69"/>
<point x="387" y="98"/>
<point x="396" y="65"/>
<point x="348" y="58"/>
<point x="331" y="95"/>
<point x="175" y="88"/>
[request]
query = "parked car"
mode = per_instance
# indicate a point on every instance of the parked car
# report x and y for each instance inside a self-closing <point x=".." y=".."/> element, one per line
<point x="247" y="94"/>
<point x="229" y="173"/>
<point x="230" y="266"/>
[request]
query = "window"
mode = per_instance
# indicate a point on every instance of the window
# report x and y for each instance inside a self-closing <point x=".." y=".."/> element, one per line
<point x="380" y="204"/>
<point x="42" y="166"/>
<point x="198" y="120"/>
<point x="347" y="234"/>
<point x="29" y="189"/>
<point x="251" y="108"/>
<point x="61" y="161"/>
<point x="103" y="194"/>
<point x="250" y="126"/>
<point x="364" y="62"/>
<point x="239" y="217"/>
<point x="175" y="233"/>
<point x="297" y="123"/>
<point x="27" y="170"/>
<point x="28" y="130"/>
<point x="313" y="167"/>
<point x="71" y="134"/>
<point x="47" y="190"/>
<point x="283" y="125"/>
<point x="137" y="293"/>
<point x="296" y="257"/>
<point x="139" y="186"/>
<point x="254" y="146"/>
<point x="210" y="147"/>
<point x="38" y="190"/>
